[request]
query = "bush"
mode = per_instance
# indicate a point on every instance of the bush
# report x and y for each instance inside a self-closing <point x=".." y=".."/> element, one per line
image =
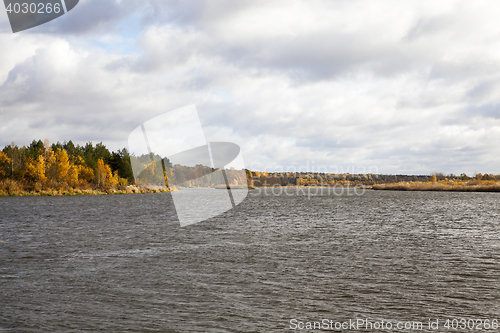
<point x="11" y="187"/>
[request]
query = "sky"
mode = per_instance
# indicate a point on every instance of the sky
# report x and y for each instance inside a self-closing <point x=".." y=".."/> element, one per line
<point x="358" y="86"/>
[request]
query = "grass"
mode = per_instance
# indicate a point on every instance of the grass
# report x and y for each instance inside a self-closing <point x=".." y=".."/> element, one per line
<point x="14" y="188"/>
<point x="489" y="187"/>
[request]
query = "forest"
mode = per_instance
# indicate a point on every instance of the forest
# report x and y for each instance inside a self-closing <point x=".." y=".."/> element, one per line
<point x="42" y="168"/>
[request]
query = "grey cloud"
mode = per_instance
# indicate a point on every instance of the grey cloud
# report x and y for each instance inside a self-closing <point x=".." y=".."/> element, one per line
<point x="466" y="70"/>
<point x="192" y="14"/>
<point x="321" y="55"/>
<point x="93" y="16"/>
<point x="425" y="27"/>
<point x="322" y="144"/>
<point x="326" y="56"/>
<point x="486" y="111"/>
<point x="482" y="90"/>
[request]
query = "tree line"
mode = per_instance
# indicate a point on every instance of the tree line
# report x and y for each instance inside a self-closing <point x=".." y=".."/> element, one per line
<point x="44" y="165"/>
<point x="64" y="166"/>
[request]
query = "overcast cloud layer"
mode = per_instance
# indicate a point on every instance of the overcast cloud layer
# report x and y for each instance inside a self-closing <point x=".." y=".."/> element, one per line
<point x="407" y="87"/>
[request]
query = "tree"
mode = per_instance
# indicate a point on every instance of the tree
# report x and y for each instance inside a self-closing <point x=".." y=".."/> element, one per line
<point x="57" y="146"/>
<point x="50" y="164"/>
<point x="4" y="164"/>
<point x="100" y="172"/>
<point x="35" y="169"/>
<point x="40" y="168"/>
<point x="11" y="151"/>
<point x="62" y="164"/>
<point x="35" y="149"/>
<point x="85" y="173"/>
<point x="104" y="177"/>
<point x="72" y="177"/>
<point x="70" y="148"/>
<point x="46" y="146"/>
<point x="120" y="162"/>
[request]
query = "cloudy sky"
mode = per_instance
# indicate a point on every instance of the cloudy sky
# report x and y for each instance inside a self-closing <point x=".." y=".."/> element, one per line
<point x="410" y="87"/>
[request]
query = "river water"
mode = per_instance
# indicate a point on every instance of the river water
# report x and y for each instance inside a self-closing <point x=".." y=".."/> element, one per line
<point x="275" y="262"/>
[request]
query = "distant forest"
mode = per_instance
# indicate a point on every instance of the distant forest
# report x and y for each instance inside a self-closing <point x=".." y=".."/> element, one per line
<point x="62" y="168"/>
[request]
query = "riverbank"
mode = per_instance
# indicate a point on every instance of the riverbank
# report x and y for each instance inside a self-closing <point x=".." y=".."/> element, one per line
<point x="490" y="187"/>
<point x="11" y="188"/>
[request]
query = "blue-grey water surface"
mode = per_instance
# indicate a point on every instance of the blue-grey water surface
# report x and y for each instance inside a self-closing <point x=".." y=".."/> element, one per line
<point x="123" y="264"/>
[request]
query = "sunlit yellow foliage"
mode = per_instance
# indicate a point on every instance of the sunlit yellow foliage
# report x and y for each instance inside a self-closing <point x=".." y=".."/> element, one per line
<point x="30" y="170"/>
<point x="122" y="181"/>
<point x="36" y="169"/>
<point x="79" y="160"/>
<point x="72" y="175"/>
<point x="101" y="172"/>
<point x="4" y="159"/>
<point x="105" y="178"/>
<point x="50" y="164"/>
<point x="114" y="180"/>
<point x="85" y="173"/>
<point x="62" y="164"/>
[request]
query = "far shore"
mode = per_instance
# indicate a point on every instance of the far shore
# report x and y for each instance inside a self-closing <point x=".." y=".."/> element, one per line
<point x="495" y="187"/>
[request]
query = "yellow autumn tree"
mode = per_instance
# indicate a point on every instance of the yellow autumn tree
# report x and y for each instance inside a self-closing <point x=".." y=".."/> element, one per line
<point x="4" y="160"/>
<point x="72" y="176"/>
<point x="104" y="176"/>
<point x="50" y="164"/>
<point x="30" y="170"/>
<point x="35" y="169"/>
<point x="85" y="173"/>
<point x="79" y="172"/>
<point x="62" y="164"/>
<point x="40" y="168"/>
<point x="114" y="180"/>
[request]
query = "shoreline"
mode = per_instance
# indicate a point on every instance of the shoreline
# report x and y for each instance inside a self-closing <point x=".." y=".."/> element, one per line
<point x="437" y="187"/>
<point x="14" y="190"/>
<point x="58" y="193"/>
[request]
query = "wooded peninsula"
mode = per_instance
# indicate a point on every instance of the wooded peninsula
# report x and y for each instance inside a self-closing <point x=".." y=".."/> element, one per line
<point x="42" y="168"/>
